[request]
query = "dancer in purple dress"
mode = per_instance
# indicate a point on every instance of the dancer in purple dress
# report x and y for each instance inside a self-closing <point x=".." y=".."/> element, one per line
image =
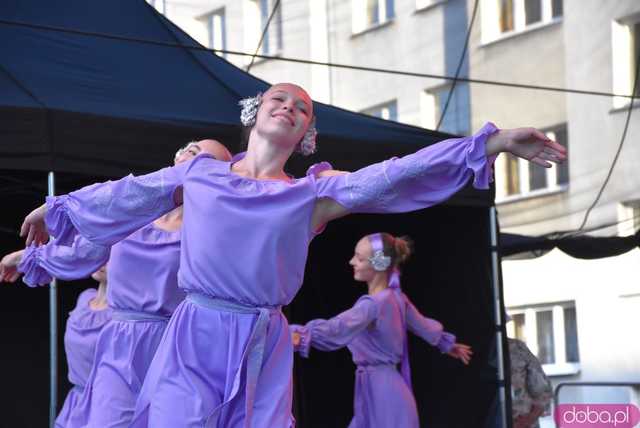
<point x="143" y="294"/>
<point x="84" y="324"/>
<point x="226" y="357"/>
<point x="375" y="331"/>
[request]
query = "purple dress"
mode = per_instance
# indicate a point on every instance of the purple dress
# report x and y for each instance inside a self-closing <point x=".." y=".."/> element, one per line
<point x="80" y="337"/>
<point x="143" y="293"/>
<point x="226" y="357"/>
<point x="374" y="331"/>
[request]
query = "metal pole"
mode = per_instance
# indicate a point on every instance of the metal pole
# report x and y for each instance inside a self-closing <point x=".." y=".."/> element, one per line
<point x="53" y="332"/>
<point x="495" y="273"/>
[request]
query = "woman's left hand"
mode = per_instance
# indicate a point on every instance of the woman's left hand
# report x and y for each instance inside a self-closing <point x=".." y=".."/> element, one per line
<point x="529" y="144"/>
<point x="33" y="228"/>
<point x="461" y="352"/>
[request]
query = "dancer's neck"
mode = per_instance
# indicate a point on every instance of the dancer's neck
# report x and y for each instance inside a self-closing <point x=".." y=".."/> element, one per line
<point x="99" y="302"/>
<point x="264" y="160"/>
<point x="379" y="283"/>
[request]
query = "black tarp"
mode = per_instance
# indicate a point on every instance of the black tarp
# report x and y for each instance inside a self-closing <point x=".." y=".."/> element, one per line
<point x="580" y="247"/>
<point x="90" y="107"/>
<point x="73" y="102"/>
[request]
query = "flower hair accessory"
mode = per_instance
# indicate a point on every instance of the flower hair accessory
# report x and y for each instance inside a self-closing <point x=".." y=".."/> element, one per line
<point x="307" y="146"/>
<point x="249" y="110"/>
<point x="379" y="261"/>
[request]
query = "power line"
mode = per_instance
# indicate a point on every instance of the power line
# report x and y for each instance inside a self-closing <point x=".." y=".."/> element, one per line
<point x="459" y="68"/>
<point x="328" y="64"/>
<point x="618" y="151"/>
<point x="264" y="33"/>
<point x="600" y="227"/>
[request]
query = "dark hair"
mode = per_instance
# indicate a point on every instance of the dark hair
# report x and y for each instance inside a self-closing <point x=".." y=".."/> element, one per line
<point x="399" y="248"/>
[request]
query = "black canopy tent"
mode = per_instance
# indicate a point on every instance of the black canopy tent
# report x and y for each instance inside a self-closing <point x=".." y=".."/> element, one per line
<point x="78" y="100"/>
<point x="578" y="246"/>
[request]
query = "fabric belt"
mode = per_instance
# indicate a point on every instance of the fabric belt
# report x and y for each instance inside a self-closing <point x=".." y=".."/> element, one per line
<point x="130" y="315"/>
<point x="254" y="351"/>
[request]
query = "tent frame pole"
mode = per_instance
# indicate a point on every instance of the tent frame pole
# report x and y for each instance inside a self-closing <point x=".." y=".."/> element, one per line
<point x="53" y="331"/>
<point x="497" y="285"/>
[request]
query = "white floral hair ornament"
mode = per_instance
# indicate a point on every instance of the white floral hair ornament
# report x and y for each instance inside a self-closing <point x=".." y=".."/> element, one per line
<point x="249" y="113"/>
<point x="379" y="261"/>
<point x="307" y="146"/>
<point x="249" y="110"/>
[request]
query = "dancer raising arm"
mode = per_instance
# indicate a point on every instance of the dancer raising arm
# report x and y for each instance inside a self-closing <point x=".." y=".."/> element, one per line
<point x="226" y="357"/>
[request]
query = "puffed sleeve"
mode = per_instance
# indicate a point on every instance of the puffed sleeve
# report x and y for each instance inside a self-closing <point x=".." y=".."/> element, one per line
<point x="419" y="180"/>
<point x="428" y="329"/>
<point x="42" y="263"/>
<point x="108" y="212"/>
<point x="339" y="331"/>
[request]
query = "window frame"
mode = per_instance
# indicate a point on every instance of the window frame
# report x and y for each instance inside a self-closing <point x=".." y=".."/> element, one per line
<point x="560" y="366"/>
<point x="210" y="24"/>
<point x="625" y="43"/>
<point x="259" y="10"/>
<point x="391" y="105"/>
<point x="359" y="14"/>
<point x="491" y="19"/>
<point x="523" y="167"/>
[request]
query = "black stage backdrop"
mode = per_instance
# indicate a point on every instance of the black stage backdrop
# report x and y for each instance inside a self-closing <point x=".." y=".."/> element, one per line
<point x="447" y="279"/>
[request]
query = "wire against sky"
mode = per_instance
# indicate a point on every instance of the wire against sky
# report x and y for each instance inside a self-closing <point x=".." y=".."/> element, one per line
<point x="328" y="64"/>
<point x="463" y="56"/>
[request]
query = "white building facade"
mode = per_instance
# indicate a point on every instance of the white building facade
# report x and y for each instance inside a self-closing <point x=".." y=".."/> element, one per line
<point x="579" y="317"/>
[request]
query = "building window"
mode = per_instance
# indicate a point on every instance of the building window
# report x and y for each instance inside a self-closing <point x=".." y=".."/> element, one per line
<point x="551" y="333"/>
<point x="628" y="217"/>
<point x="370" y="13"/>
<point x="457" y="118"/>
<point x="216" y="28"/>
<point x="159" y="5"/>
<point x="506" y="16"/>
<point x="257" y="14"/>
<point x="516" y="177"/>
<point x="625" y="39"/>
<point x="387" y="111"/>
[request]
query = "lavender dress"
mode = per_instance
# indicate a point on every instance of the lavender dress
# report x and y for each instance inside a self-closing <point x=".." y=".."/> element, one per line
<point x="80" y="337"/>
<point x="375" y="333"/>
<point x="226" y="357"/>
<point x="143" y="293"/>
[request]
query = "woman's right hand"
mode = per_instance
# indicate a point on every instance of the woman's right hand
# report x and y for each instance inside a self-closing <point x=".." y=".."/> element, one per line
<point x="34" y="228"/>
<point x="9" y="266"/>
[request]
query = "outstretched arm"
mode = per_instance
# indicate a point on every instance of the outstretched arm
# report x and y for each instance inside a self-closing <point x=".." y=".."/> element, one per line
<point x="429" y="176"/>
<point x="433" y="332"/>
<point x="334" y="333"/>
<point x="40" y="264"/>
<point x="106" y="213"/>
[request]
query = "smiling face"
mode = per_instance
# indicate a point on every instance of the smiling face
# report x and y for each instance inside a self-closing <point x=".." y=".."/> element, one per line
<point x="362" y="269"/>
<point x="284" y="114"/>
